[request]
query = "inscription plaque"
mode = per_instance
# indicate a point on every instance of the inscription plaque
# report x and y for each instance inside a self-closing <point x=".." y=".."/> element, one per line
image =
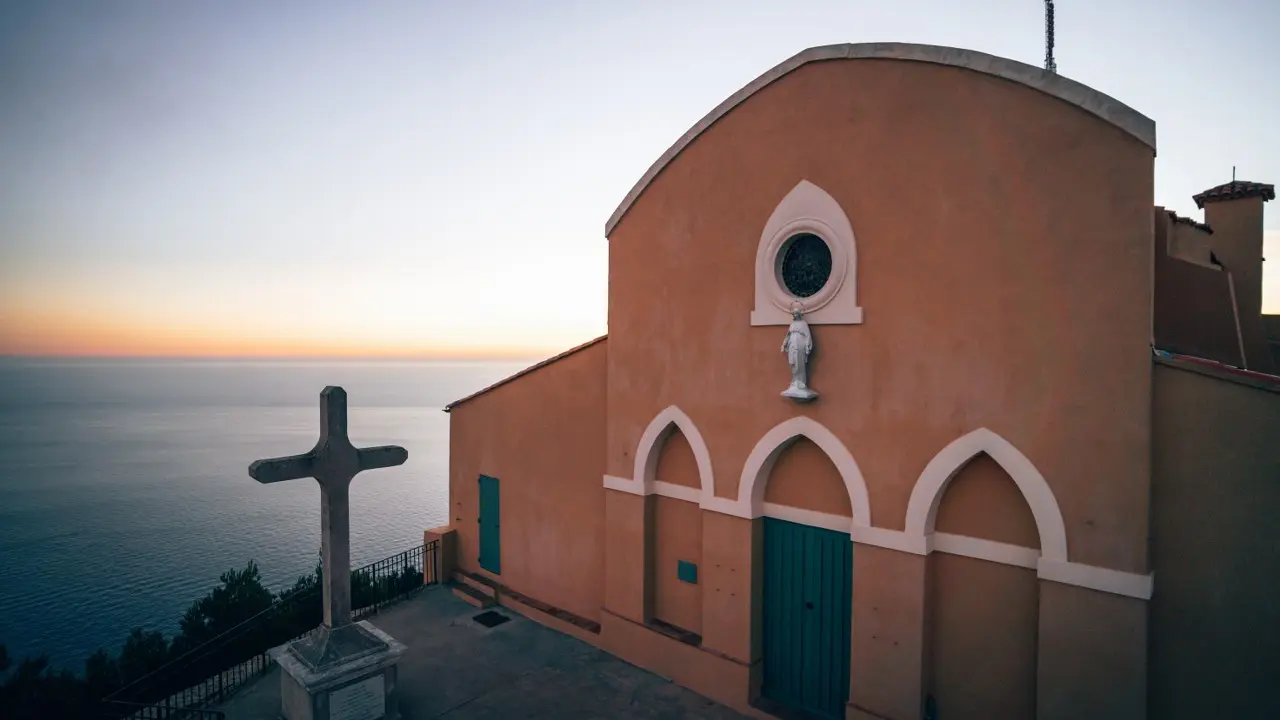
<point x="365" y="700"/>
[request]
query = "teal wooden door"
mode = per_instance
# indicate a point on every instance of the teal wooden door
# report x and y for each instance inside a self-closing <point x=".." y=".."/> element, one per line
<point x="807" y="603"/>
<point x="490" y="537"/>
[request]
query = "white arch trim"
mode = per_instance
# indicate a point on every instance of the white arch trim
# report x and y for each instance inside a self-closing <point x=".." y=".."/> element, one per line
<point x="750" y="501"/>
<point x="919" y="538"/>
<point x="922" y="509"/>
<point x="1050" y="562"/>
<point x="650" y="447"/>
<point x="755" y="473"/>
<point x="643" y="480"/>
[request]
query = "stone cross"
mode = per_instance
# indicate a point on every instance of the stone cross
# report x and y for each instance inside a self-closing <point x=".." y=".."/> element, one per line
<point x="333" y="462"/>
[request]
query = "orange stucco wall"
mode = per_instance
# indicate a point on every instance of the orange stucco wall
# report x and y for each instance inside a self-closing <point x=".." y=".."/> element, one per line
<point x="627" y="549"/>
<point x="984" y="655"/>
<point x="1215" y="614"/>
<point x="889" y="664"/>
<point x="987" y="216"/>
<point x="542" y="436"/>
<point x="731" y="551"/>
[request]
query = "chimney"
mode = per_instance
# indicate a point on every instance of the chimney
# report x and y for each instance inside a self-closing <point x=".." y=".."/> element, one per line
<point x="1234" y="211"/>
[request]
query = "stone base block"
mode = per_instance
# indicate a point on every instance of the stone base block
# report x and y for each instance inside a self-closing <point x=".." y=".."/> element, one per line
<point x="800" y="394"/>
<point x="347" y="673"/>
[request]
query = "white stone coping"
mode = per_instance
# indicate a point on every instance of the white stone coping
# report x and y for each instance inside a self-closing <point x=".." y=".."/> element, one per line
<point x="360" y="667"/>
<point x="1082" y="96"/>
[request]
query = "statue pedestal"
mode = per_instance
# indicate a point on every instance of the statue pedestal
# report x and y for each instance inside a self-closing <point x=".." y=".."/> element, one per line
<point x="799" y="394"/>
<point x="347" y="673"/>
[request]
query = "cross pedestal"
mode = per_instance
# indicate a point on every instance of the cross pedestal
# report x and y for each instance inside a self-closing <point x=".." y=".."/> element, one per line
<point x="342" y="670"/>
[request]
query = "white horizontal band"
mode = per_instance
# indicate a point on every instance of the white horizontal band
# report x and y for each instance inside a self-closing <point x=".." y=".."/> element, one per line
<point x="990" y="550"/>
<point x="812" y="518"/>
<point x="1117" y="582"/>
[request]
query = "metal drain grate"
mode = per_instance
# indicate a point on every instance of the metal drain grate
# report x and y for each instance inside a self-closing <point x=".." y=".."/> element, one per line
<point x="490" y="618"/>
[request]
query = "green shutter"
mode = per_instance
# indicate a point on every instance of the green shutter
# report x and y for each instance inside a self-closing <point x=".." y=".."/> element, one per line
<point x="490" y="534"/>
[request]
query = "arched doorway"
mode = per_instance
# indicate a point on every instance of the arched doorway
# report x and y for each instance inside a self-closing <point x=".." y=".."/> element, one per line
<point x="806" y="596"/>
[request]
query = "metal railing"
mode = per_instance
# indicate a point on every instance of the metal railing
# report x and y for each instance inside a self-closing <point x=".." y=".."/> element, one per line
<point x="210" y="672"/>
<point x="138" y="711"/>
<point x="389" y="580"/>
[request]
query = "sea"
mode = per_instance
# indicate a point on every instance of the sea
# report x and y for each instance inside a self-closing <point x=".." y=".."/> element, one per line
<point x="125" y="493"/>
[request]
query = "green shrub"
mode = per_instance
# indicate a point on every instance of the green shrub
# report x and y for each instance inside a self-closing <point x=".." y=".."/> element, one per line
<point x="33" y="689"/>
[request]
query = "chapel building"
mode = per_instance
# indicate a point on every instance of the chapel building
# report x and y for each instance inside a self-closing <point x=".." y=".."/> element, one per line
<point x="1039" y="475"/>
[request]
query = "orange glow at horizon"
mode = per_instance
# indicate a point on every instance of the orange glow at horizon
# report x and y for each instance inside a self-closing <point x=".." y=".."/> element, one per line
<point x="52" y="334"/>
<point x="393" y="310"/>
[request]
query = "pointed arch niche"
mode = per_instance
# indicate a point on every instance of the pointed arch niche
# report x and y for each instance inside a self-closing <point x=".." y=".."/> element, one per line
<point x="926" y="497"/>
<point x="807" y="210"/>
<point x="1050" y="560"/>
<point x="755" y="477"/>
<point x="674" y="532"/>
<point x="673" y="470"/>
<point x="644" y="476"/>
<point x="986" y="538"/>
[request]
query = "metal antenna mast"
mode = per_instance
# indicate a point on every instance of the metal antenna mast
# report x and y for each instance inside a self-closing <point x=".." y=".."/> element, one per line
<point x="1049" y="63"/>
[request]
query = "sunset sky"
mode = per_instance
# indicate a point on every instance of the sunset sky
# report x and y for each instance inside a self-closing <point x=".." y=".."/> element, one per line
<point x="433" y="178"/>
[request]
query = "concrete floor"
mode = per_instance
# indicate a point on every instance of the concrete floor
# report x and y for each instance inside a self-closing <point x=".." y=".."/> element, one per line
<point x="456" y="668"/>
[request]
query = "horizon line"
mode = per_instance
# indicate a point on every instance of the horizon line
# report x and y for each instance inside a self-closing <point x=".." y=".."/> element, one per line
<point x="502" y="357"/>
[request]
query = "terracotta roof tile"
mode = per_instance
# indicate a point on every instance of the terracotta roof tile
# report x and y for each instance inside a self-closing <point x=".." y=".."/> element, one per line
<point x="1188" y="221"/>
<point x="1221" y="370"/>
<point x="1235" y="190"/>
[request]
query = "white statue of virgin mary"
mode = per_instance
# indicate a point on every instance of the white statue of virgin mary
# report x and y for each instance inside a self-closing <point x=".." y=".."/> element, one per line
<point x="797" y="346"/>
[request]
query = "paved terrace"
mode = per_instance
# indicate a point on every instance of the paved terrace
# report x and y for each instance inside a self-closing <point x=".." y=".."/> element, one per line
<point x="457" y="668"/>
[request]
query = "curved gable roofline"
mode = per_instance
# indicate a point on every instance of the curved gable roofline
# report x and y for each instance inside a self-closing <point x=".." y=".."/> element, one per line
<point x="1086" y="98"/>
